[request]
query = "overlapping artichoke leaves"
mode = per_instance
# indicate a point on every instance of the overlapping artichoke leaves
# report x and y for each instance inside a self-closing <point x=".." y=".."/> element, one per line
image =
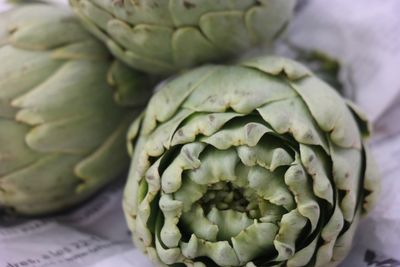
<point x="61" y="133"/>
<point x="261" y="164"/>
<point x="160" y="36"/>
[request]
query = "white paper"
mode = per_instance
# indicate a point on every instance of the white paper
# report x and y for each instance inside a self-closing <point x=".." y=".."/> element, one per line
<point x="93" y="235"/>
<point x="365" y="36"/>
<point x="4" y="6"/>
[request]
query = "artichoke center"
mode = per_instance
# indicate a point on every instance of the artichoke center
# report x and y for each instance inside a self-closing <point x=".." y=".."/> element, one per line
<point x="224" y="196"/>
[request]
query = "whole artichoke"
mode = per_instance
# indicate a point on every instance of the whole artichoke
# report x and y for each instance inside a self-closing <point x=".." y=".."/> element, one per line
<point x="162" y="36"/>
<point x="61" y="132"/>
<point x="258" y="164"/>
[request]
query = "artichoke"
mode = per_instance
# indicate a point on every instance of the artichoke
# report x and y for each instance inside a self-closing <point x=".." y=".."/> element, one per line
<point x="256" y="164"/>
<point x="162" y="36"/>
<point x="62" y="135"/>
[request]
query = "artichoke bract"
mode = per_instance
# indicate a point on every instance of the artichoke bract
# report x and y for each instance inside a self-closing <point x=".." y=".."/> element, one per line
<point x="255" y="164"/>
<point x="61" y="130"/>
<point x="163" y="36"/>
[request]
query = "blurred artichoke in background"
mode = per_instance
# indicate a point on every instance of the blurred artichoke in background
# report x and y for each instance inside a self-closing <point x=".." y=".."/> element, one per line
<point x="323" y="66"/>
<point x="62" y="135"/>
<point x="258" y="164"/>
<point x="163" y="36"/>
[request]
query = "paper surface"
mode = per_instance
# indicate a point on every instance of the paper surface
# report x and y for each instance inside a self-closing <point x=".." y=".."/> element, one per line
<point x="365" y="36"/>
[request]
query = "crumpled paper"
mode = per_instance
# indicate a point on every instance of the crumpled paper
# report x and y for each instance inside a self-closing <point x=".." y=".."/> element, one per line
<point x="364" y="35"/>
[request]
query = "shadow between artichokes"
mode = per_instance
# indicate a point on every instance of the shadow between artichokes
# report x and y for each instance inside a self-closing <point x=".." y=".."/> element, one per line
<point x="257" y="164"/>
<point x="62" y="128"/>
<point x="163" y="36"/>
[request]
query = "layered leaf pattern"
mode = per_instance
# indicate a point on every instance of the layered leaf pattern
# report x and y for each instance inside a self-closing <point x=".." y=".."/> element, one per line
<point x="162" y="36"/>
<point x="61" y="132"/>
<point x="258" y="164"/>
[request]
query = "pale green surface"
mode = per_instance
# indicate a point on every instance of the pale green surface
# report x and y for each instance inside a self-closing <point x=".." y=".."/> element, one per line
<point x="164" y="36"/>
<point x="259" y="164"/>
<point x="61" y="132"/>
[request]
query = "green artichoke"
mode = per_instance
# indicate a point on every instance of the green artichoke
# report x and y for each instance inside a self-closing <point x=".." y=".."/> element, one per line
<point x="162" y="36"/>
<point x="62" y="135"/>
<point x="258" y="164"/>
